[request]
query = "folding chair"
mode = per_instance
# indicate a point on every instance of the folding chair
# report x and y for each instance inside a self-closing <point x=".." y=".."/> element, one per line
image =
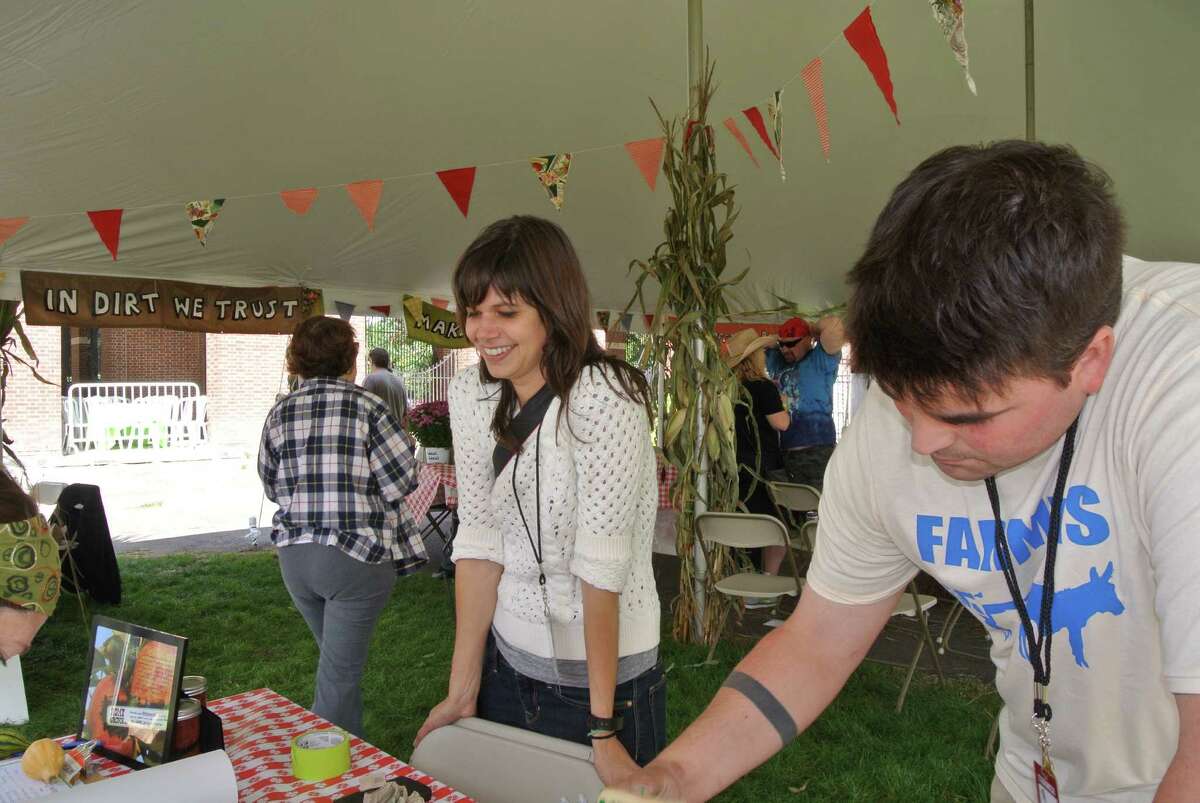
<point x="914" y="606"/>
<point x="747" y="531"/>
<point x="502" y="764"/>
<point x="794" y="501"/>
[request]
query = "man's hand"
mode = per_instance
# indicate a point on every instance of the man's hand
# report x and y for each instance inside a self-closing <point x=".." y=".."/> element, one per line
<point x="447" y="712"/>
<point x="612" y="761"/>
<point x="660" y="780"/>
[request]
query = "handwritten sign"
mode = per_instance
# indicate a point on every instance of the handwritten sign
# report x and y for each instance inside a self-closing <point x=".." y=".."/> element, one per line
<point x="434" y="325"/>
<point x="65" y="299"/>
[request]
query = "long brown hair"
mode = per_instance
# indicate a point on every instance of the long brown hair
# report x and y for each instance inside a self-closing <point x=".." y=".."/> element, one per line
<point x="15" y="504"/>
<point x="531" y="258"/>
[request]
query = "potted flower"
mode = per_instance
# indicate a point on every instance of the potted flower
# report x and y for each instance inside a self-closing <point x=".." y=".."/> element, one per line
<point x="429" y="423"/>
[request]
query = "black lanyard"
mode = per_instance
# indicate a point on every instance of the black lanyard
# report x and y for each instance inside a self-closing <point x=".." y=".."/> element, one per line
<point x="537" y="480"/>
<point x="1039" y="644"/>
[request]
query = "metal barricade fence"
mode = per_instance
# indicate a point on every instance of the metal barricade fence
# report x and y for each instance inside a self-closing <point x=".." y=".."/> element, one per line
<point x="176" y="408"/>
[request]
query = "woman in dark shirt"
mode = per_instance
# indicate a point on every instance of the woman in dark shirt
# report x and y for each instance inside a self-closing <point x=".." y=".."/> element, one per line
<point x="757" y="425"/>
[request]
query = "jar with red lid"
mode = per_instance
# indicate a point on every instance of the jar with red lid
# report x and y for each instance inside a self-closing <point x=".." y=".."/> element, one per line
<point x="196" y="687"/>
<point x="186" y="741"/>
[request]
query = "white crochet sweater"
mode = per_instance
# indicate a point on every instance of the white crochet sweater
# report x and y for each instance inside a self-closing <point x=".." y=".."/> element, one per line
<point x="599" y="497"/>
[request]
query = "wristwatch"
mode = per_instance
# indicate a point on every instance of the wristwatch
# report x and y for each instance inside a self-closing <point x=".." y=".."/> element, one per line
<point x="603" y="727"/>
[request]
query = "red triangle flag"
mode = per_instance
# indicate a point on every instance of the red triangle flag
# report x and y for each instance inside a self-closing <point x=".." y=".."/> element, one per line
<point x="365" y="195"/>
<point x="816" y="99"/>
<point x="863" y="37"/>
<point x="9" y="226"/>
<point x="441" y="303"/>
<point x="647" y="155"/>
<point x="732" y="125"/>
<point x="649" y="319"/>
<point x="458" y="183"/>
<point x="299" y="200"/>
<point x="385" y="310"/>
<point x="756" y="119"/>
<point x="107" y="223"/>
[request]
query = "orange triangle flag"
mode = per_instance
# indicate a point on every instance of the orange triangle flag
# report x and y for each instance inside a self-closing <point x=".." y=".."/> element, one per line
<point x="9" y="226"/>
<point x="299" y="200"/>
<point x="441" y="303"/>
<point x="458" y="183"/>
<point x="647" y="155"/>
<point x="107" y="223"/>
<point x="365" y="195"/>
<point x="732" y="125"/>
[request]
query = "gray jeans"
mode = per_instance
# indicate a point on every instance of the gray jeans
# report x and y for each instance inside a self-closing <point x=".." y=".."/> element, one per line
<point x="341" y="599"/>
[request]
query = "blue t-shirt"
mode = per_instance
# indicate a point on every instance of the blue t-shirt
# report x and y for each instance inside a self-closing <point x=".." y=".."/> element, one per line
<point x="807" y="386"/>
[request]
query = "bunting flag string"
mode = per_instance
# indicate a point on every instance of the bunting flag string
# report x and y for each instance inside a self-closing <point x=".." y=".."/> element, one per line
<point x="365" y="195"/>
<point x="951" y="17"/>
<point x="385" y="310"/>
<point x="732" y="125"/>
<point x="552" y="172"/>
<point x="202" y="214"/>
<point x="863" y="37"/>
<point x="345" y="310"/>
<point x="459" y="183"/>
<point x="647" y="154"/>
<point x="10" y="226"/>
<point x="775" y="111"/>
<point x="756" y="119"/>
<point x="815" y="85"/>
<point x="299" y="200"/>
<point x="107" y="223"/>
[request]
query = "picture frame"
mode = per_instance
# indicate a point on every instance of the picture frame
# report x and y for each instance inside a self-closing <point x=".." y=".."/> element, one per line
<point x="131" y="695"/>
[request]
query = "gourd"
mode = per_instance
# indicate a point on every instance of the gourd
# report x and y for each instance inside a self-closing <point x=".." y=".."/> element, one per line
<point x="42" y="760"/>
<point x="12" y="741"/>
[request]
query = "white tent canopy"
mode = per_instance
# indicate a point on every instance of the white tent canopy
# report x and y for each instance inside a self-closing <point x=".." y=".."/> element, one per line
<point x="147" y="105"/>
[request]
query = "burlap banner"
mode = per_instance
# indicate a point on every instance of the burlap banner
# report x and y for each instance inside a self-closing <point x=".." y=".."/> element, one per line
<point x="64" y="299"/>
<point x="434" y="325"/>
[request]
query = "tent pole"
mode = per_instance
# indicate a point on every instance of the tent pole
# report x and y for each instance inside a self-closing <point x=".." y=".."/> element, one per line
<point x="1030" y="121"/>
<point x="700" y="568"/>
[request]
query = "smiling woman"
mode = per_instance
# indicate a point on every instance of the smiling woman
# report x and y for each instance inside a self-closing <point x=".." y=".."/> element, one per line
<point x="558" y="615"/>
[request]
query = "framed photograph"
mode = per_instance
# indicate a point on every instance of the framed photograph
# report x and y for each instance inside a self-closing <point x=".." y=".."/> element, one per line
<point x="132" y="691"/>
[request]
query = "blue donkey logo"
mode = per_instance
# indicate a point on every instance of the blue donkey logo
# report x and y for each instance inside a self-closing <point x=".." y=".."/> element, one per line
<point x="1072" y="609"/>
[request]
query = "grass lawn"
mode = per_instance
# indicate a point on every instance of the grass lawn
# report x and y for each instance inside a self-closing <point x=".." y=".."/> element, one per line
<point x="245" y="634"/>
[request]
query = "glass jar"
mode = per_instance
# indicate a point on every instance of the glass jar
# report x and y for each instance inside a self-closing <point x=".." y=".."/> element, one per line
<point x="196" y="687"/>
<point x="186" y="741"/>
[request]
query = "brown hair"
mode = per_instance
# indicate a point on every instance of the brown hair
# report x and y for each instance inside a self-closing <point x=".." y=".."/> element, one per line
<point x="15" y="504"/>
<point x="750" y="367"/>
<point x="323" y="347"/>
<point x="989" y="262"/>
<point x="531" y="258"/>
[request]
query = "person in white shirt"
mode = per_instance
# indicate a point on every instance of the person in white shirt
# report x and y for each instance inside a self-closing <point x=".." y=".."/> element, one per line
<point x="557" y="610"/>
<point x="1029" y="440"/>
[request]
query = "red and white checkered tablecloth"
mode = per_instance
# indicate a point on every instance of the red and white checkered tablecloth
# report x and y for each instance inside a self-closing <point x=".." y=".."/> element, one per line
<point x="259" y="726"/>
<point x="431" y="477"/>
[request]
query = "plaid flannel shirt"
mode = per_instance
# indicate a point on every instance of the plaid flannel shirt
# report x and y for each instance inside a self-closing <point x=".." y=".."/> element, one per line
<point x="339" y="466"/>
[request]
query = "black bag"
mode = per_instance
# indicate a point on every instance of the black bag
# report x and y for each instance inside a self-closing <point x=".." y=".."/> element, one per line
<point x="91" y="564"/>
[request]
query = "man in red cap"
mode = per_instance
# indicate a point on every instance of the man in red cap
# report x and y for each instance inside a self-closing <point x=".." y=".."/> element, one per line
<point x="805" y="375"/>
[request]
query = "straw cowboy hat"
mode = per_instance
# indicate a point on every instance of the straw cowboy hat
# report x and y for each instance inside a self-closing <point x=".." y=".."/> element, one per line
<point x="745" y="342"/>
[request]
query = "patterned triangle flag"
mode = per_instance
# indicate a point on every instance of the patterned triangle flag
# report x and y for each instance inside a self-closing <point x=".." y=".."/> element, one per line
<point x="202" y="214"/>
<point x="647" y="155"/>
<point x="951" y="17"/>
<point x="440" y="303"/>
<point x="775" y="112"/>
<point x="815" y="85"/>
<point x="756" y="119"/>
<point x="602" y="317"/>
<point x="552" y="171"/>
<point x="365" y="195"/>
<point x="863" y="37"/>
<point x="9" y="226"/>
<point x="458" y="183"/>
<point x="384" y="309"/>
<point x="299" y="200"/>
<point x="107" y="223"/>
<point x="732" y="125"/>
<point x="344" y="310"/>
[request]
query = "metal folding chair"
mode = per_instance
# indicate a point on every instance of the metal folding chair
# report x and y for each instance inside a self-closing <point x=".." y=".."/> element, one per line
<point x="794" y="502"/>
<point x="748" y="531"/>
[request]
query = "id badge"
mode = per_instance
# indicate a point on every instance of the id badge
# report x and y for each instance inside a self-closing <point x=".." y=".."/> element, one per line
<point x="1045" y="785"/>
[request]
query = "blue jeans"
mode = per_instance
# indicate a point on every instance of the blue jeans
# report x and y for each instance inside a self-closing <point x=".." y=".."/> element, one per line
<point x="510" y="698"/>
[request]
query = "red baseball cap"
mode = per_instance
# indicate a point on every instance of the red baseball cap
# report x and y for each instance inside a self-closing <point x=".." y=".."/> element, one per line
<point x="794" y="329"/>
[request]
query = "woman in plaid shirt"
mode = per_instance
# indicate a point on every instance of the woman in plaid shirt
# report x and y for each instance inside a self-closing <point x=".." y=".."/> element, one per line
<point x="339" y="466"/>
